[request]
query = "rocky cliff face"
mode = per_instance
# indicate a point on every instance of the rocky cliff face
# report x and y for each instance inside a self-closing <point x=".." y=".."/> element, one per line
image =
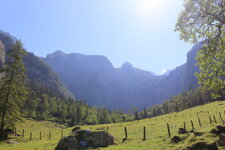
<point x="2" y="54"/>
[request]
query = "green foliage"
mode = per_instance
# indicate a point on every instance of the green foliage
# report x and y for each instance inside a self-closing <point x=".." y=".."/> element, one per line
<point x="13" y="92"/>
<point x="180" y="102"/>
<point x="204" y="20"/>
<point x="211" y="61"/>
<point x="69" y="111"/>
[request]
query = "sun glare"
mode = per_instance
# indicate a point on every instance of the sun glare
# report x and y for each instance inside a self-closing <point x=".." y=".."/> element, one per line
<point x="150" y="11"/>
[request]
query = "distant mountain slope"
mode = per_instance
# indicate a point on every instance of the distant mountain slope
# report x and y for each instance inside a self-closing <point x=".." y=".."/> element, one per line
<point x="94" y="79"/>
<point x="40" y="76"/>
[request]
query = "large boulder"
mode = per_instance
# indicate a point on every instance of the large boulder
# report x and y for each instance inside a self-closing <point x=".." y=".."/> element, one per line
<point x="68" y="143"/>
<point x="94" y="138"/>
<point x="84" y="139"/>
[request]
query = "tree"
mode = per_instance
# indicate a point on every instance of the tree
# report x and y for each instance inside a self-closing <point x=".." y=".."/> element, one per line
<point x="204" y="21"/>
<point x="13" y="92"/>
<point x="136" y="114"/>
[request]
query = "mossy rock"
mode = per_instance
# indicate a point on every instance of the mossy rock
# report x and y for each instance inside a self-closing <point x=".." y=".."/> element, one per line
<point x="175" y="139"/>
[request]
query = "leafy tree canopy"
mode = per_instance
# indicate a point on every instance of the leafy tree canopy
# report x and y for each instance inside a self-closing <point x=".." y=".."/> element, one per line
<point x="204" y="21"/>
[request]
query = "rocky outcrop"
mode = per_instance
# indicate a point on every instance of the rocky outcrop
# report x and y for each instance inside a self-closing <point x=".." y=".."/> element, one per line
<point x="2" y="54"/>
<point x="2" y="57"/>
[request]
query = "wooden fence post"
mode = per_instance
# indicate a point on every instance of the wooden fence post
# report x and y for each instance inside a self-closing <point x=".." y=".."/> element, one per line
<point x="214" y="119"/>
<point x="40" y="135"/>
<point x="220" y="116"/>
<point x="199" y="121"/>
<point x="30" y="135"/>
<point x="184" y="126"/>
<point x="62" y="133"/>
<point x="49" y="136"/>
<point x="15" y="130"/>
<point x="210" y="119"/>
<point x="22" y="133"/>
<point x="168" y="128"/>
<point x="125" y="131"/>
<point x="192" y="124"/>
<point x="144" y="137"/>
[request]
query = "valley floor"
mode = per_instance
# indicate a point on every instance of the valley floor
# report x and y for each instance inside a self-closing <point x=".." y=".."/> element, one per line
<point x="156" y="131"/>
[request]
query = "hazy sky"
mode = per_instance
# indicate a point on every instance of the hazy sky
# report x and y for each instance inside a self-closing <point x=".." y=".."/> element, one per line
<point x="138" y="31"/>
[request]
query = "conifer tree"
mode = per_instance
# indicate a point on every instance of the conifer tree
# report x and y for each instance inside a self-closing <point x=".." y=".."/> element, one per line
<point x="13" y="91"/>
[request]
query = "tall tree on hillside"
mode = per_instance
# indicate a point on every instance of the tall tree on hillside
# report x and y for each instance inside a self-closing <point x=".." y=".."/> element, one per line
<point x="204" y="21"/>
<point x="12" y="89"/>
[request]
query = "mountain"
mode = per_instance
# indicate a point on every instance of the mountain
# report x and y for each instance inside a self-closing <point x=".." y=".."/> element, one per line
<point x="94" y="79"/>
<point x="41" y="78"/>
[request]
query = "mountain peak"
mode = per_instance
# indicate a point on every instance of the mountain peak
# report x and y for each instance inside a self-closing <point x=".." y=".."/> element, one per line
<point x="56" y="53"/>
<point x="127" y="65"/>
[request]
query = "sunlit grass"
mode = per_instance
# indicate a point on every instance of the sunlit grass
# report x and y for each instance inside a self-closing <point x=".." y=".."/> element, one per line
<point x="156" y="131"/>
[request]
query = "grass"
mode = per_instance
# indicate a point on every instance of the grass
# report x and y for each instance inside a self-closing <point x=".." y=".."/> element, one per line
<point x="156" y="131"/>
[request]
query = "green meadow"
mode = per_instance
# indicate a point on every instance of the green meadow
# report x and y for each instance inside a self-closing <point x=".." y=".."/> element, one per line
<point x="156" y="131"/>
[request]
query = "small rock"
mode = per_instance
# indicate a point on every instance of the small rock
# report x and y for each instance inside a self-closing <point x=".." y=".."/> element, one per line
<point x="175" y="139"/>
<point x="198" y="133"/>
<point x="220" y="129"/>
<point x="222" y="138"/>
<point x="75" y="129"/>
<point x="12" y="142"/>
<point x="182" y="131"/>
<point x="68" y="143"/>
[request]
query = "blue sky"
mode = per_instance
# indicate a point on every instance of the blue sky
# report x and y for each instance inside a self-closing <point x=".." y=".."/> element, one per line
<point x="138" y="31"/>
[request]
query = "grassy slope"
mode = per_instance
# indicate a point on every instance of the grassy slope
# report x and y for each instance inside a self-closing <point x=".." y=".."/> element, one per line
<point x="157" y="137"/>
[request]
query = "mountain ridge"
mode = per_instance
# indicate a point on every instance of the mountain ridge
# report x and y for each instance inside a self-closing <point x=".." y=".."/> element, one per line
<point x="93" y="78"/>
